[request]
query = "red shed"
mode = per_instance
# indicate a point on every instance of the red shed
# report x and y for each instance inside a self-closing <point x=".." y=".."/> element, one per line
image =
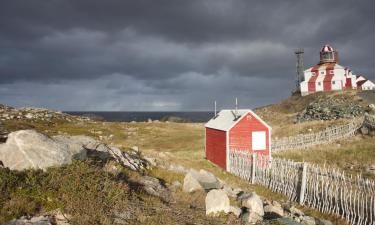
<point x="236" y="130"/>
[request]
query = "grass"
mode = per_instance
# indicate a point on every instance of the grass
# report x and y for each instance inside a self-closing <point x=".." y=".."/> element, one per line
<point x="101" y="194"/>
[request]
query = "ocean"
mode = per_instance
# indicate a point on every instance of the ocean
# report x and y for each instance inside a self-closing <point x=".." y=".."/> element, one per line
<point x="126" y="116"/>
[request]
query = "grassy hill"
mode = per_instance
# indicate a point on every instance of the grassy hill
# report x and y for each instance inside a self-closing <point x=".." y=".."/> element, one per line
<point x="176" y="143"/>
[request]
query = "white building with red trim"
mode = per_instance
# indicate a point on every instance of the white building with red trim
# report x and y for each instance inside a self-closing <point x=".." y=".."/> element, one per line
<point x="327" y="75"/>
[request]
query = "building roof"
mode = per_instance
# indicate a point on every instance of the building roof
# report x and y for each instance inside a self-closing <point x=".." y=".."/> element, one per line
<point x="327" y="48"/>
<point x="227" y="118"/>
<point x="323" y="66"/>
<point x="361" y="82"/>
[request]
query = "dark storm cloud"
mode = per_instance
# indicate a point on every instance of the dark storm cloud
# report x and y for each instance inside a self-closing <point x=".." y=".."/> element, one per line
<point x="169" y="53"/>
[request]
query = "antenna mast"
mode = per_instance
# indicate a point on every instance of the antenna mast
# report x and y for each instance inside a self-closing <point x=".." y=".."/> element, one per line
<point x="299" y="75"/>
<point x="215" y="109"/>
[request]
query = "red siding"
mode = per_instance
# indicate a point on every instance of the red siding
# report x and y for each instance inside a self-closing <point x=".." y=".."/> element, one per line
<point x="348" y="83"/>
<point x="327" y="82"/>
<point x="311" y="85"/>
<point x="216" y="147"/>
<point x="240" y="136"/>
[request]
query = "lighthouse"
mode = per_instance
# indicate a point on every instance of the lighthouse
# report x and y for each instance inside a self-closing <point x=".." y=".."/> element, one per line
<point x="327" y="75"/>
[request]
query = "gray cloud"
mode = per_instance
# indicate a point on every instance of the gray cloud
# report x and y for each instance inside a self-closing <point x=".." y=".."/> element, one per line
<point x="170" y="55"/>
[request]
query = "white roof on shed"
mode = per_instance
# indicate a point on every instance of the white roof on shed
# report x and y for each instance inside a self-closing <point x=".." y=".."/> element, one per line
<point x="226" y="119"/>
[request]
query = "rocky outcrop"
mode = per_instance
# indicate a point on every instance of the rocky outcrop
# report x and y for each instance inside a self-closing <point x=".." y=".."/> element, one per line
<point x="195" y="180"/>
<point x="191" y="184"/>
<point x="254" y="206"/>
<point x="27" y="149"/>
<point x="36" y="114"/>
<point x="40" y="220"/>
<point x="153" y="187"/>
<point x="217" y="201"/>
<point x="330" y="109"/>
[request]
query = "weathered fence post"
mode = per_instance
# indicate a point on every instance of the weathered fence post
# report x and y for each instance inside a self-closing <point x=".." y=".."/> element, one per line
<point x="303" y="184"/>
<point x="253" y="169"/>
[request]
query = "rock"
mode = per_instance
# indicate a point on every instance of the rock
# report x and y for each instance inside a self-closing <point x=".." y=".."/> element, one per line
<point x="272" y="211"/>
<point x="206" y="179"/>
<point x="231" y="192"/>
<point x="372" y="133"/>
<point x="251" y="218"/>
<point x="308" y="220"/>
<point x="153" y="187"/>
<point x="40" y="220"/>
<point x="253" y="203"/>
<point x="177" y="168"/>
<point x="135" y="148"/>
<point x="323" y="222"/>
<point x="58" y="217"/>
<point x="27" y="149"/>
<point x="235" y="210"/>
<point x="287" y="221"/>
<point x="111" y="168"/>
<point x="293" y="210"/>
<point x="191" y="184"/>
<point x="364" y="130"/>
<point x="217" y="201"/>
<point x="76" y="144"/>
<point x="175" y="185"/>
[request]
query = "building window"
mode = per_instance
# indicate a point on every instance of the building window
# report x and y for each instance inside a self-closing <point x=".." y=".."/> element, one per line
<point x="258" y="140"/>
<point x="331" y="72"/>
<point x="333" y="82"/>
<point x="322" y="72"/>
<point x="319" y="83"/>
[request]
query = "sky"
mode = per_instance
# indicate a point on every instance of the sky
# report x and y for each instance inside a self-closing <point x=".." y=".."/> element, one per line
<point x="171" y="55"/>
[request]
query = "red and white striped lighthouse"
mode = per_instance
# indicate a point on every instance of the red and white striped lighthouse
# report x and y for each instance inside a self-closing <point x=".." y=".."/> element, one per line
<point x="327" y="75"/>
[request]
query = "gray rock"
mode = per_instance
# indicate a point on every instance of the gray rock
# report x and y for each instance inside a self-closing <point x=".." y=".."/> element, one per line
<point x="231" y="192"/>
<point x="235" y="210"/>
<point x="293" y="210"/>
<point x="191" y="184"/>
<point x="40" y="220"/>
<point x="27" y="149"/>
<point x="206" y="179"/>
<point x="251" y="218"/>
<point x="76" y="144"/>
<point x="153" y="187"/>
<point x="272" y="211"/>
<point x="254" y="204"/>
<point x="175" y="185"/>
<point x="287" y="221"/>
<point x="323" y="222"/>
<point x="308" y="220"/>
<point x="364" y="130"/>
<point x="217" y="201"/>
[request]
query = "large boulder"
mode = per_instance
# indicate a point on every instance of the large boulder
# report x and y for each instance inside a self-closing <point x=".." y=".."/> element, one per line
<point x="207" y="180"/>
<point x="217" y="201"/>
<point x="191" y="184"/>
<point x="253" y="203"/>
<point x="76" y="144"/>
<point x="251" y="218"/>
<point x="26" y="149"/>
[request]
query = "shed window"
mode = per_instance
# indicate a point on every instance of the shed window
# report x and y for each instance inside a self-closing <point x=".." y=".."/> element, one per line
<point x="258" y="140"/>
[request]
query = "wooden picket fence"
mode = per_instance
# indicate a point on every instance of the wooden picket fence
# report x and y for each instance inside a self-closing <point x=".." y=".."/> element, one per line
<point x="326" y="189"/>
<point x="328" y="135"/>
